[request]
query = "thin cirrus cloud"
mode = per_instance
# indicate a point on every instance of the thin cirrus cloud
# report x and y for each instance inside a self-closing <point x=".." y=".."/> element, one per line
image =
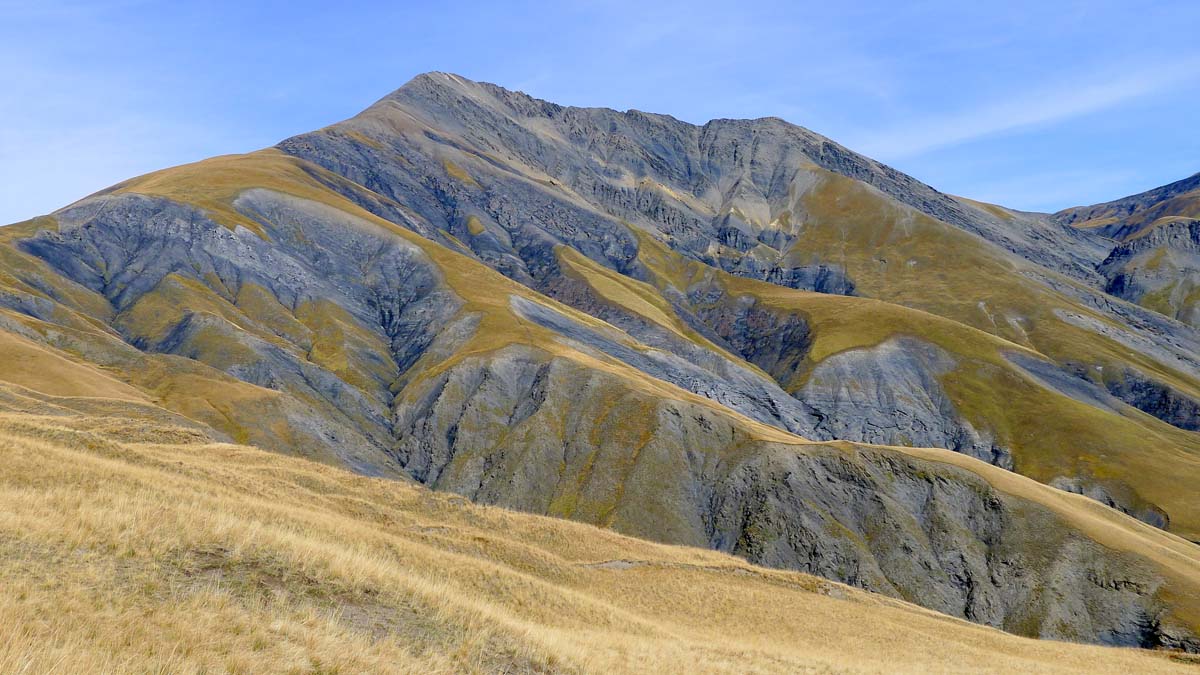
<point x="1044" y="106"/>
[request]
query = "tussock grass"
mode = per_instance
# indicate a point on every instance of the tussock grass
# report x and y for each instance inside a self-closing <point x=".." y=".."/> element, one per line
<point x="129" y="553"/>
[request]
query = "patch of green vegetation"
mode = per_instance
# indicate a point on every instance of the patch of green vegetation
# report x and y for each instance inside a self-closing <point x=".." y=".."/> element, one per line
<point x="363" y="138"/>
<point x="1159" y="300"/>
<point x="458" y="173"/>
<point x="475" y="226"/>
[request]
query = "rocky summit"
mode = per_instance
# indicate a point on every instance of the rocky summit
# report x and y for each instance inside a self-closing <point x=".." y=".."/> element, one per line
<point x="738" y="336"/>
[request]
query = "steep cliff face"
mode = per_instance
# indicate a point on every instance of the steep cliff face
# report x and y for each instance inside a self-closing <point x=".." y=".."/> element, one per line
<point x="689" y="334"/>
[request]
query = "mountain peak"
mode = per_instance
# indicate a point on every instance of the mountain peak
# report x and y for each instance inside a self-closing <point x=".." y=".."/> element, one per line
<point x="439" y="78"/>
<point x="432" y="81"/>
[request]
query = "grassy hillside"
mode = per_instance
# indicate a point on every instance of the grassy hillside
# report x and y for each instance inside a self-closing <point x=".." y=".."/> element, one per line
<point x="129" y="545"/>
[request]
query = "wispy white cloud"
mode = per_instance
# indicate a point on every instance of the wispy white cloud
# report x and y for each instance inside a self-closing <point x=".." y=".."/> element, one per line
<point x="1045" y="105"/>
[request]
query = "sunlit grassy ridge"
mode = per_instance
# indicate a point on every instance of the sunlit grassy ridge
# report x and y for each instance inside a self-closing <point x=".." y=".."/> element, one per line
<point x="129" y="545"/>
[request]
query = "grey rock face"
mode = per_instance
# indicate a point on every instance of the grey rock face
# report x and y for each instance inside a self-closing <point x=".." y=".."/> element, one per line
<point x="1138" y="389"/>
<point x="887" y="395"/>
<point x="733" y="386"/>
<point x="1074" y="385"/>
<point x="1155" y="257"/>
<point x="1164" y="261"/>
<point x="1148" y="514"/>
<point x="749" y="156"/>
<point x="776" y="343"/>
<point x="127" y="246"/>
<point x="697" y="185"/>
<point x="941" y="538"/>
<point x="984" y="556"/>
<point x="1153" y="397"/>
<point x="890" y="395"/>
<point x="1181" y="235"/>
<point x="823" y="278"/>
<point x="1141" y="329"/>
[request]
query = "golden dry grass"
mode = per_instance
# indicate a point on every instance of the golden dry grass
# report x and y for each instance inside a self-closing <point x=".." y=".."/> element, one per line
<point x="128" y="546"/>
<point x="458" y="173"/>
<point x="43" y="368"/>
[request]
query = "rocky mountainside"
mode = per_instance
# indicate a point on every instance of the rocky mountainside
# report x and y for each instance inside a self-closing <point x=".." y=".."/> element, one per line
<point x="739" y="336"/>
<point x="1156" y="259"/>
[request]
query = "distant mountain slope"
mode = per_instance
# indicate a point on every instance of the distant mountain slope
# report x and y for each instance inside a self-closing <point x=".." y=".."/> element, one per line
<point x="156" y="550"/>
<point x="650" y="326"/>
<point x="1121" y="218"/>
<point x="1156" y="262"/>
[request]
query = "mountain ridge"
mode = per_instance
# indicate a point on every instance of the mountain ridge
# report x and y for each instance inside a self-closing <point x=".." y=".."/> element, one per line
<point x="619" y="325"/>
<point x="832" y="155"/>
<point x="1090" y="216"/>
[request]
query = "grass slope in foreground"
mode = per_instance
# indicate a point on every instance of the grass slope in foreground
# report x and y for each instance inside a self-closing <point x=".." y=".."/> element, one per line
<point x="131" y="545"/>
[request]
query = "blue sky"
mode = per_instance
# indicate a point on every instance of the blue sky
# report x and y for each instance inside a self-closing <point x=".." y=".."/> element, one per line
<point x="1036" y="105"/>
